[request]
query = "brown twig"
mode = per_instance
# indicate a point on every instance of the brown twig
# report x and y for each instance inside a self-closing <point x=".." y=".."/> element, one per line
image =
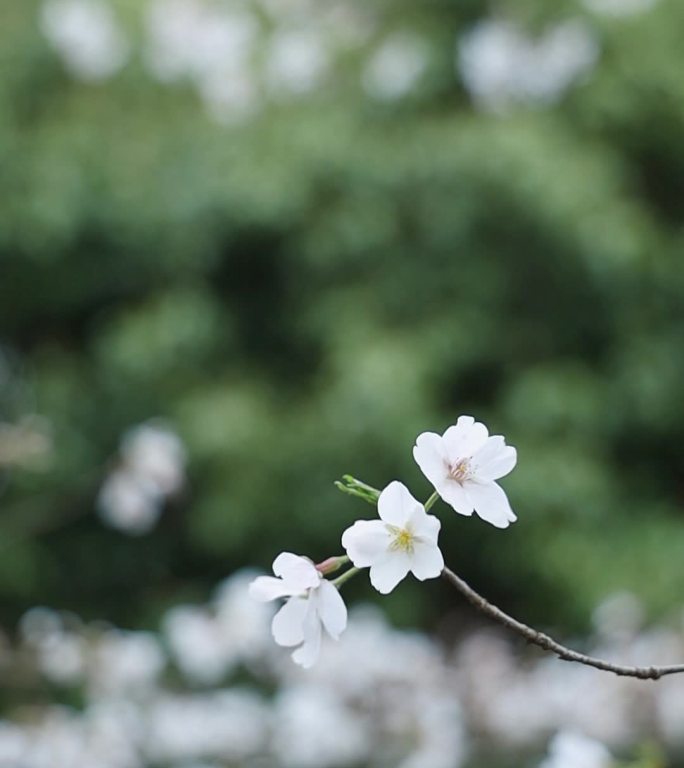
<point x="548" y="643"/>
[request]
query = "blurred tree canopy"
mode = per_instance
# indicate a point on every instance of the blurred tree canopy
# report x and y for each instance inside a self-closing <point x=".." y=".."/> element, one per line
<point x="302" y="293"/>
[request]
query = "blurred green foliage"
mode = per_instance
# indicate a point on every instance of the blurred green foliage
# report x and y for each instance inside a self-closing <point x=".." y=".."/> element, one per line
<point x="303" y="295"/>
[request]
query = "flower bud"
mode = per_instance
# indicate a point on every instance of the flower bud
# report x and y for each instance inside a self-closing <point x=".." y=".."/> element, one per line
<point x="331" y="565"/>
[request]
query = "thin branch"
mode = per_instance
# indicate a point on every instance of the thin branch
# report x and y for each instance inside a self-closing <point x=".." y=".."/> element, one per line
<point x="548" y="643"/>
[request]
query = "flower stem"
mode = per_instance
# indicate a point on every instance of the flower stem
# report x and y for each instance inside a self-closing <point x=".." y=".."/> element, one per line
<point x="430" y="502"/>
<point x="339" y="581"/>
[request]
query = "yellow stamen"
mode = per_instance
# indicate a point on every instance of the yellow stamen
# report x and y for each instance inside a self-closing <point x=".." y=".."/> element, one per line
<point x="403" y="539"/>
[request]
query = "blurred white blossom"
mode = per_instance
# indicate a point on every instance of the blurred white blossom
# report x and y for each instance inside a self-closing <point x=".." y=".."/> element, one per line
<point x="406" y="659"/>
<point x="129" y="503"/>
<point x="395" y="67"/>
<point x="436" y="720"/>
<point x="40" y="623"/>
<point x="670" y="711"/>
<point x="378" y="696"/>
<point x="14" y="744"/>
<point x="87" y="37"/>
<point x="157" y="454"/>
<point x="197" y="643"/>
<point x="296" y="61"/>
<point x="197" y="39"/>
<point x="211" y="46"/>
<point x="225" y="724"/>
<point x="314" y="728"/>
<point x="244" y="622"/>
<point x="62" y="658"/>
<point x="60" y="652"/>
<point x="113" y="733"/>
<point x="569" y="749"/>
<point x="501" y="65"/>
<point x="151" y="470"/>
<point x="207" y="642"/>
<point x="240" y="56"/>
<point x="125" y="663"/>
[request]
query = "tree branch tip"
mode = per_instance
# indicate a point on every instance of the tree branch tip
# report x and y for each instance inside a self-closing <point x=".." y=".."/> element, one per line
<point x="547" y="643"/>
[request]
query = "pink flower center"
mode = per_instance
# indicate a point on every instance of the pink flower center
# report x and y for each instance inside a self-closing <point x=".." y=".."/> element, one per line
<point x="459" y="470"/>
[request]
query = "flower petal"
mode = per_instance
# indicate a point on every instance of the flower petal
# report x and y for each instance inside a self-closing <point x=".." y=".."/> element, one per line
<point x="455" y="495"/>
<point x="366" y="541"/>
<point x="424" y="526"/>
<point x="307" y="655"/>
<point x="288" y="624"/>
<point x="331" y="609"/>
<point x="491" y="503"/>
<point x="396" y="505"/>
<point x="297" y="572"/>
<point x="466" y="437"/>
<point x="426" y="561"/>
<point x="387" y="573"/>
<point x="265" y="588"/>
<point x="430" y="454"/>
<point x="494" y="460"/>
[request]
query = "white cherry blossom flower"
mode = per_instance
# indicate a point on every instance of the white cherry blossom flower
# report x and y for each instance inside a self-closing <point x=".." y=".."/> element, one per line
<point x="463" y="465"/>
<point x="313" y="603"/>
<point x="403" y="540"/>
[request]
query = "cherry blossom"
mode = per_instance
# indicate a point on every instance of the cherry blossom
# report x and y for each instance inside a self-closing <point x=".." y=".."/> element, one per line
<point x="313" y="603"/>
<point x="463" y="465"/>
<point x="403" y="540"/>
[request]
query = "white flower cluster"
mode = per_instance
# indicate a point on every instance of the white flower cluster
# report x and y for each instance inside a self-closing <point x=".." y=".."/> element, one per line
<point x="87" y="36"/>
<point x="396" y="67"/>
<point x="236" y="54"/>
<point x="242" y="54"/>
<point x="501" y="66"/>
<point x="209" y="46"/>
<point x="463" y="465"/>
<point x="151" y="470"/>
<point x="131" y="718"/>
<point x="570" y="749"/>
<point x="377" y="697"/>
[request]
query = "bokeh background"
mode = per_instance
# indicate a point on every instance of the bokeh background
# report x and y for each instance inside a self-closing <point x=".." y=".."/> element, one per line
<point x="247" y="246"/>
